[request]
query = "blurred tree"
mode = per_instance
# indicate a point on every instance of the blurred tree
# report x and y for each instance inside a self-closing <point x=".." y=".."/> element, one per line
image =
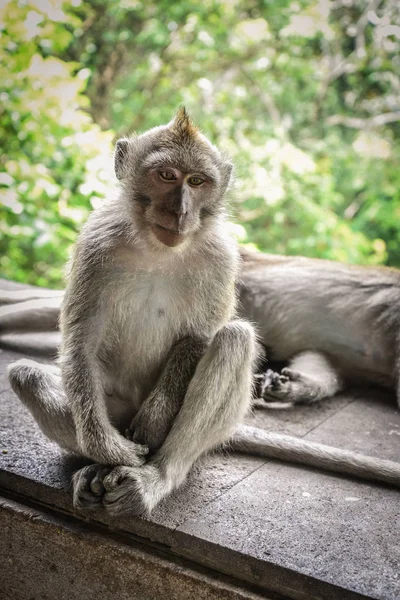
<point x="52" y="160"/>
<point x="305" y="96"/>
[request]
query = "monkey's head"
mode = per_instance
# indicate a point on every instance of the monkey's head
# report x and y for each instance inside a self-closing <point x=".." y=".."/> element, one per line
<point x="174" y="178"/>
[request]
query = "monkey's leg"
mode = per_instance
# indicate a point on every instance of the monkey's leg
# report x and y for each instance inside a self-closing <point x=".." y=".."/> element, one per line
<point x="397" y="371"/>
<point x="39" y="387"/>
<point x="309" y="378"/>
<point x="155" y="417"/>
<point x="217" y="398"/>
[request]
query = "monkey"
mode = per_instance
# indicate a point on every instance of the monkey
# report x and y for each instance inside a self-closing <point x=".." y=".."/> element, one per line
<point x="305" y="314"/>
<point x="151" y="344"/>
<point x="156" y="365"/>
<point x="334" y="323"/>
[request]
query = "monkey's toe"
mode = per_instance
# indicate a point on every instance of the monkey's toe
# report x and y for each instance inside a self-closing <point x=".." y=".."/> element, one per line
<point x="273" y="383"/>
<point x="115" y="477"/>
<point x="277" y="388"/>
<point x="124" y="492"/>
<point x="96" y="484"/>
<point x="87" y="486"/>
<point x="290" y="374"/>
<point x="130" y="490"/>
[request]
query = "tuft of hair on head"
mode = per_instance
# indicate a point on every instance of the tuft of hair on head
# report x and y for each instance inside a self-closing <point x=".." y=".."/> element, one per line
<point x="182" y="124"/>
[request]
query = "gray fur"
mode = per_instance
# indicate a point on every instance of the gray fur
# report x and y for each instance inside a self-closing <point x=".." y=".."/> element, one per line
<point x="157" y="413"/>
<point x="146" y="321"/>
<point x="151" y="342"/>
<point x="335" y="323"/>
<point x="284" y="447"/>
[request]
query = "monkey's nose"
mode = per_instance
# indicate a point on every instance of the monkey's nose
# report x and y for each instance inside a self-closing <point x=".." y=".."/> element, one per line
<point x="182" y="215"/>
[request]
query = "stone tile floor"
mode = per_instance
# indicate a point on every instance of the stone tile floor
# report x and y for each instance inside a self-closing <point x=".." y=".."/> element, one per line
<point x="296" y="531"/>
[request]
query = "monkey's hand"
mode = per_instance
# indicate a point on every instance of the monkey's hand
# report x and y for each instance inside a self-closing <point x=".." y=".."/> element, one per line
<point x="289" y="388"/>
<point x="152" y="423"/>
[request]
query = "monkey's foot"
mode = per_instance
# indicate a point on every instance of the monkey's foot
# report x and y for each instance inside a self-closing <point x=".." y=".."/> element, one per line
<point x="130" y="490"/>
<point x="289" y="387"/>
<point x="88" y="489"/>
<point x="120" y="490"/>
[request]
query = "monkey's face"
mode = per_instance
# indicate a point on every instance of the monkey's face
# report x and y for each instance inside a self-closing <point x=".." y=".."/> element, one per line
<point x="175" y="180"/>
<point x="175" y="202"/>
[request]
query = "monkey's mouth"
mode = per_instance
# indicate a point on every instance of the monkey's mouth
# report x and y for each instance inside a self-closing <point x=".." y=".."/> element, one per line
<point x="168" y="237"/>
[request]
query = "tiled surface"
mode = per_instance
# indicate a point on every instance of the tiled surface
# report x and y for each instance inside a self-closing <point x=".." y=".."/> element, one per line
<point x="301" y="419"/>
<point x="332" y="529"/>
<point x="370" y="425"/>
<point x="300" y="532"/>
<point x="297" y="531"/>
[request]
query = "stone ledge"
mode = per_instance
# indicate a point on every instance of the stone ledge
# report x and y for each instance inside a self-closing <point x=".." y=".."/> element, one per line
<point x="302" y="533"/>
<point x="298" y="532"/>
<point x="46" y="556"/>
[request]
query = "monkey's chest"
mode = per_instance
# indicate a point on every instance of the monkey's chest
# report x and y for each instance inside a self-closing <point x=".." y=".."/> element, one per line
<point x="142" y="324"/>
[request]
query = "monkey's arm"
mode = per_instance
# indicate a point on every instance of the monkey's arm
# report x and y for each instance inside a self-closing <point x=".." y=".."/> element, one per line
<point x="96" y="437"/>
<point x="155" y="417"/>
<point x="255" y="441"/>
<point x="82" y="324"/>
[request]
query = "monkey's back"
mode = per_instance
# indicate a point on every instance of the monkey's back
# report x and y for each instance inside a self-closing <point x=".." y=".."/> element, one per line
<point x="346" y="311"/>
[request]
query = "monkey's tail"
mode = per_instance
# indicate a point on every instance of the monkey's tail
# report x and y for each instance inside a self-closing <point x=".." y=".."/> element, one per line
<point x="258" y="442"/>
<point x="29" y="320"/>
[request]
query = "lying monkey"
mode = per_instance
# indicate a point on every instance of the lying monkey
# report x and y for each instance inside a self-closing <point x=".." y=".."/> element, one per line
<point x="151" y="344"/>
<point x="335" y="323"/>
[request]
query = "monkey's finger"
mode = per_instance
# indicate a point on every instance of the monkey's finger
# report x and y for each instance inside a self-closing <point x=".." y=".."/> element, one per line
<point x="115" y="477"/>
<point x="141" y="449"/>
<point x="96" y="485"/>
<point x="277" y="405"/>
<point x="263" y="404"/>
<point x="290" y="374"/>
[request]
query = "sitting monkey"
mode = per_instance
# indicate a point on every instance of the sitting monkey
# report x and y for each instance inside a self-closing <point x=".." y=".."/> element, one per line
<point x="154" y="358"/>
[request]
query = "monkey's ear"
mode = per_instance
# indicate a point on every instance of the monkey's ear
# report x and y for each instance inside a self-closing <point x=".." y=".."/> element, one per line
<point x="120" y="156"/>
<point x="227" y="169"/>
<point x="183" y="124"/>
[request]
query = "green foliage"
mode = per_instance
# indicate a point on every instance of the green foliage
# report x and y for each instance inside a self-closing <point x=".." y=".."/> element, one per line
<point x="304" y="96"/>
<point x="51" y="165"/>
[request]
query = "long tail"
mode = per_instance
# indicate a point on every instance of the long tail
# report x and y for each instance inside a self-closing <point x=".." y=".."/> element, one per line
<point x="284" y="447"/>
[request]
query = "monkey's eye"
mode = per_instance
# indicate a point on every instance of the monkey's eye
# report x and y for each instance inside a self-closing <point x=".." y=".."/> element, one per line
<point x="195" y="181"/>
<point x="167" y="176"/>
